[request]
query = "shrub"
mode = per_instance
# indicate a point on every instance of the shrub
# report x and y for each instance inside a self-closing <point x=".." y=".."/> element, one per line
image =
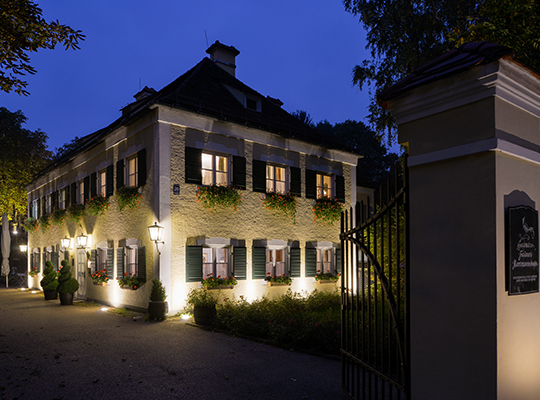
<point x="202" y="298"/>
<point x="158" y="291"/>
<point x="66" y="283"/>
<point x="49" y="281"/>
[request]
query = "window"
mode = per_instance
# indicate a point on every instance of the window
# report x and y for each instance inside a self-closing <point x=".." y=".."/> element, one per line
<point x="102" y="183"/>
<point x="131" y="261"/>
<point x="35" y="208"/>
<point x="276" y="264"/>
<point x="325" y="259"/>
<point x="62" y="196"/>
<point x="48" y="207"/>
<point x="101" y="260"/>
<point x="324" y="186"/>
<point x="275" y="179"/>
<point x="216" y="262"/>
<point x="214" y="169"/>
<point x="80" y="193"/>
<point x="131" y="172"/>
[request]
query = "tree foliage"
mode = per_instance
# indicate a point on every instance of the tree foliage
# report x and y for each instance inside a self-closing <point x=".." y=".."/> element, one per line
<point x="403" y="35"/>
<point x="376" y="161"/>
<point x="23" y="154"/>
<point x="23" y="30"/>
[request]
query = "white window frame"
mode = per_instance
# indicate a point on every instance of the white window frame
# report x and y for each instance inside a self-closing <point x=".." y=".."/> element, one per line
<point x="272" y="180"/>
<point x="102" y="183"/>
<point x="272" y="247"/>
<point x="211" y="266"/>
<point x="131" y="265"/>
<point x="80" y="192"/>
<point x="132" y="171"/>
<point x="213" y="171"/>
<point x="328" y="266"/>
<point x="321" y="177"/>
<point x="35" y="208"/>
<point x="62" y="195"/>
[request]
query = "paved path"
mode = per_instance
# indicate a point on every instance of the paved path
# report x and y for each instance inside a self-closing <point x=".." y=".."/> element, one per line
<point x="48" y="351"/>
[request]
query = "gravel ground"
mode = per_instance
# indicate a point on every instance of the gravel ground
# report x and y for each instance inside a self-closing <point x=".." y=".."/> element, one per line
<point x="49" y="351"/>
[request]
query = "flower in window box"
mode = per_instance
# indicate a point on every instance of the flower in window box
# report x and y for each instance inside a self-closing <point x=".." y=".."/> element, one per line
<point x="33" y="271"/>
<point x="214" y="197"/>
<point x="129" y="280"/>
<point x="326" y="276"/>
<point x="58" y="216"/>
<point x="97" y="205"/>
<point x="286" y="203"/>
<point x="127" y="197"/>
<point x="327" y="210"/>
<point x="31" y="225"/>
<point x="45" y="222"/>
<point x="213" y="282"/>
<point x="76" y="213"/>
<point x="278" y="279"/>
<point x="100" y="277"/>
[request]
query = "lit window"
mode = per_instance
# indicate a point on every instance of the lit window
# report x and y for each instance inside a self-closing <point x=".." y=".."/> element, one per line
<point x="324" y="186"/>
<point x="276" y="264"/>
<point x="102" y="183"/>
<point x="131" y="261"/>
<point x="101" y="261"/>
<point x="131" y="172"/>
<point x="275" y="179"/>
<point x="214" y="170"/>
<point x="80" y="196"/>
<point x="216" y="262"/>
<point x="324" y="261"/>
<point x="62" y="199"/>
<point x="48" y="199"/>
<point x="35" y="208"/>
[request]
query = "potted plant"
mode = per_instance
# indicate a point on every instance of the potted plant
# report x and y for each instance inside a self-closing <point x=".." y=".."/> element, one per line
<point x="49" y="283"/>
<point x="100" y="278"/>
<point x="282" y="280"/>
<point x="326" y="277"/>
<point x="213" y="197"/>
<point x="157" y="307"/>
<point x="219" y="283"/>
<point x="33" y="274"/>
<point x="286" y="203"/>
<point x="97" y="205"/>
<point x="327" y="210"/>
<point x="127" y="197"/>
<point x="67" y="285"/>
<point x="203" y="303"/>
<point x="129" y="281"/>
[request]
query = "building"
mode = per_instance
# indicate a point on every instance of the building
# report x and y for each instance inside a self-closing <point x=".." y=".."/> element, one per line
<point x="205" y="128"/>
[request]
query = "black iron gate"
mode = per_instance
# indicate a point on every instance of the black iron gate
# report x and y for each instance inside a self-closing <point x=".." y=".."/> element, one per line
<point x="374" y="295"/>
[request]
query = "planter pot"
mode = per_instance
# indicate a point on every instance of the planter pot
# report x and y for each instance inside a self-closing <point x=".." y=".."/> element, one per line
<point x="100" y="283"/>
<point x="50" y="294"/>
<point x="204" y="315"/>
<point x="321" y="282"/>
<point x="158" y="309"/>
<point x="34" y="282"/>
<point x="66" y="299"/>
<point x="220" y="287"/>
<point x="270" y="284"/>
<point x="125" y="287"/>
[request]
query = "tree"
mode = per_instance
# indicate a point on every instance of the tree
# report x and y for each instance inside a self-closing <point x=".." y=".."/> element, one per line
<point x="23" y="154"/>
<point x="67" y="148"/>
<point x="403" y="35"/>
<point x="23" y="30"/>
<point x="304" y="117"/>
<point x="376" y="162"/>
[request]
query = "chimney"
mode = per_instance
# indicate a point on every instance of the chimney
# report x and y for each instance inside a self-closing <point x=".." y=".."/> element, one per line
<point x="144" y="93"/>
<point x="224" y="56"/>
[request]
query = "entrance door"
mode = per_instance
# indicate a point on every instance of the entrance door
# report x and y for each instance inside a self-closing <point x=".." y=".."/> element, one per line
<point x="79" y="273"/>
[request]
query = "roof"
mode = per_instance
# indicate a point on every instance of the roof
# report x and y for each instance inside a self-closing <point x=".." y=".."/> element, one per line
<point x="206" y="89"/>
<point x="456" y="60"/>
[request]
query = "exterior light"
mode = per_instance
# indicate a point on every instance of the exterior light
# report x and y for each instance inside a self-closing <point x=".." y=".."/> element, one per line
<point x="24" y="248"/>
<point x="65" y="243"/>
<point x="81" y="241"/>
<point x="156" y="232"/>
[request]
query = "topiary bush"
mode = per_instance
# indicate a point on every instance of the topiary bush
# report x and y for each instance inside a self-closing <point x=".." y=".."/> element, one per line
<point x="158" y="291"/>
<point x="66" y="283"/>
<point x="49" y="281"/>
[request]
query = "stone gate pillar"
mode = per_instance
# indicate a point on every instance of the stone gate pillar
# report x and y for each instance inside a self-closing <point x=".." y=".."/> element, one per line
<point x="471" y="122"/>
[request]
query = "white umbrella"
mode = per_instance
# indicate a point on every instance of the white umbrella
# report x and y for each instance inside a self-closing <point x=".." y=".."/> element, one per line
<point x="6" y="246"/>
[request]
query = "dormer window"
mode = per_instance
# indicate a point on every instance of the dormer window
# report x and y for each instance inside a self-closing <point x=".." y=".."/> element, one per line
<point x="253" y="104"/>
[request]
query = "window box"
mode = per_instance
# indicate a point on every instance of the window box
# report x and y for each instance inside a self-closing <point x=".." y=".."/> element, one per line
<point x="270" y="284"/>
<point x="323" y="282"/>
<point x="100" y="283"/>
<point x="220" y="287"/>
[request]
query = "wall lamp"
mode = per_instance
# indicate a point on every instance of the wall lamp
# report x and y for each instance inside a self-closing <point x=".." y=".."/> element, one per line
<point x="65" y="243"/>
<point x="156" y="233"/>
<point x="24" y="248"/>
<point x="82" y="240"/>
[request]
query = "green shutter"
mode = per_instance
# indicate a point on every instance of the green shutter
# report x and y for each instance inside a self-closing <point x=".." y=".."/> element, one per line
<point x="311" y="184"/>
<point x="141" y="167"/>
<point x="311" y="262"/>
<point x="239" y="263"/>
<point x="119" y="174"/>
<point x="120" y="262"/>
<point x="239" y="172"/>
<point x="295" y="262"/>
<point x="38" y="208"/>
<point x="296" y="181"/>
<point x="68" y="196"/>
<point x="110" y="263"/>
<point x="259" y="262"/>
<point x="86" y="189"/>
<point x="340" y="188"/>
<point x="66" y="255"/>
<point x="259" y="176"/>
<point x="93" y="256"/>
<point x="194" y="264"/>
<point x="110" y="180"/>
<point x="73" y="193"/>
<point x="141" y="263"/>
<point x="54" y="201"/>
<point x="193" y="165"/>
<point x="93" y="185"/>
<point x="43" y="205"/>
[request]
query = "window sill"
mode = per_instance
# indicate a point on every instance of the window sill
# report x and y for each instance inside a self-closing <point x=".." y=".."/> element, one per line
<point x="321" y="282"/>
